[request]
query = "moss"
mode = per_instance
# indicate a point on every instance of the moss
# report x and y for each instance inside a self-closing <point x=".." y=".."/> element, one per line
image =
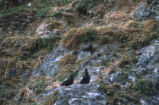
<point x="111" y="90"/>
<point x="103" y="88"/>
<point x="3" y="101"/>
<point x="145" y="87"/>
<point x="38" y="84"/>
<point x="6" y="94"/>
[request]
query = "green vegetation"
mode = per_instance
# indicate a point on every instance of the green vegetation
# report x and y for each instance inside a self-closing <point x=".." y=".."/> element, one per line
<point x="41" y="8"/>
<point x="82" y="6"/>
<point x="7" y="94"/>
<point x="38" y="85"/>
<point x="68" y="59"/>
<point x="14" y="10"/>
<point x="75" y="37"/>
<point x="56" y="14"/>
<point x="30" y="44"/>
<point x="62" y="2"/>
<point x="48" y="43"/>
<point x="50" y="100"/>
<point x="130" y="36"/>
<point x="110" y="22"/>
<point x="145" y="87"/>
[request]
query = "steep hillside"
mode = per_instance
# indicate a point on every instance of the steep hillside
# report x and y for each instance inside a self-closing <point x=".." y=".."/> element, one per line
<point x="42" y="42"/>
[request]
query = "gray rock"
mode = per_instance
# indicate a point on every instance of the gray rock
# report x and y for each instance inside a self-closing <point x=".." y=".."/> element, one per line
<point x="50" y="66"/>
<point x="147" y="67"/>
<point x="144" y="13"/>
<point x="81" y="95"/>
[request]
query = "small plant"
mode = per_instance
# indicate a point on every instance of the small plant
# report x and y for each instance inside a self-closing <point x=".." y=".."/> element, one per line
<point x="103" y="88"/>
<point x="38" y="85"/>
<point x="57" y="14"/>
<point x="145" y="87"/>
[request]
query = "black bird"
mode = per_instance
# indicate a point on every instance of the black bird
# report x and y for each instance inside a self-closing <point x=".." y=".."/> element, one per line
<point x="89" y="48"/>
<point x="86" y="78"/>
<point x="68" y="81"/>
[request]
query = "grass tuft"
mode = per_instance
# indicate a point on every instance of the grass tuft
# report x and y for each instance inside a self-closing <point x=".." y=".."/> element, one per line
<point x="77" y="36"/>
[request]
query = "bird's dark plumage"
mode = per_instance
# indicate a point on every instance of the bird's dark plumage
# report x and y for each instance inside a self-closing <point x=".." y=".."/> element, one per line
<point x="89" y="48"/>
<point x="86" y="78"/>
<point x="68" y="81"/>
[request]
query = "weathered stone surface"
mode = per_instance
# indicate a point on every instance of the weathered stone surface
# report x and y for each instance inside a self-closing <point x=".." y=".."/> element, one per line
<point x="81" y="95"/>
<point x="147" y="68"/>
<point x="152" y="12"/>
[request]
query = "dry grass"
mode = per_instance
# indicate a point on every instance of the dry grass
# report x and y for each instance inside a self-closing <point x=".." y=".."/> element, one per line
<point x="38" y="84"/>
<point x="130" y="34"/>
<point x="67" y="59"/>
<point x="105" y="35"/>
<point x="139" y="34"/>
<point x="9" y="64"/>
<point x="77" y="36"/>
<point x="65" y="72"/>
<point x="23" y="53"/>
<point x="118" y="16"/>
<point x="27" y="44"/>
<point x="51" y="99"/>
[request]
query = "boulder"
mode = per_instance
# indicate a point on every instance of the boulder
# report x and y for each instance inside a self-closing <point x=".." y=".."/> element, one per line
<point x="77" y="94"/>
<point x="152" y="12"/>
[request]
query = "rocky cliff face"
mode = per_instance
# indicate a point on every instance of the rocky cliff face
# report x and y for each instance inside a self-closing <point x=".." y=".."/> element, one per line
<point x="81" y="95"/>
<point x="43" y="44"/>
<point x="150" y="12"/>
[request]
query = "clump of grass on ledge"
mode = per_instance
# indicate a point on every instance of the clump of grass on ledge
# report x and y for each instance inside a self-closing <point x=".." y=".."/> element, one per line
<point x="65" y="71"/>
<point x="23" y="53"/>
<point x="77" y="36"/>
<point x="133" y="34"/>
<point x="67" y="59"/>
<point x="138" y="34"/>
<point x="50" y="99"/>
<point x="29" y="44"/>
<point x="40" y="43"/>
